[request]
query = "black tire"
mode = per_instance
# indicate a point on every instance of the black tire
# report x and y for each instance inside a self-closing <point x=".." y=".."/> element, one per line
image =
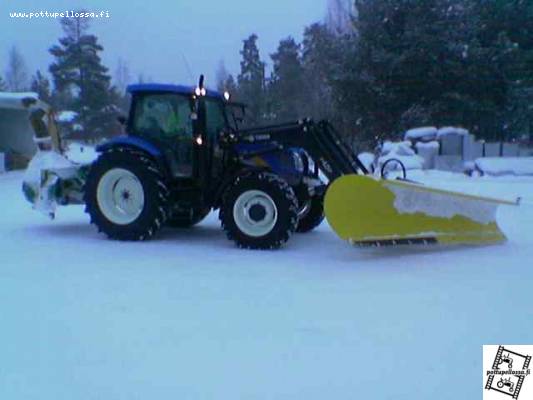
<point x="156" y="195"/>
<point x="285" y="202"/>
<point x="188" y="220"/>
<point x="314" y="216"/>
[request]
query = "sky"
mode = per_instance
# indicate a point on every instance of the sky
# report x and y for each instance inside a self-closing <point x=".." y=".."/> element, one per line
<point x="159" y="38"/>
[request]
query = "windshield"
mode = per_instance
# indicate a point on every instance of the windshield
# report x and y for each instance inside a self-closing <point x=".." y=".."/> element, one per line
<point x="235" y="114"/>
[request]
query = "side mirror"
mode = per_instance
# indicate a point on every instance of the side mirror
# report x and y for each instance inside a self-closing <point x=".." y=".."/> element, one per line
<point x="122" y="120"/>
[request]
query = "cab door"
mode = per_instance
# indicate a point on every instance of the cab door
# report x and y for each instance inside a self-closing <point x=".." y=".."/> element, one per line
<point x="165" y="120"/>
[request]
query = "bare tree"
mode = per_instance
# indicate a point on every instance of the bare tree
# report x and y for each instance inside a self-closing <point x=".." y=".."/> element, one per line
<point x="339" y="16"/>
<point x="221" y="76"/>
<point x="16" y="73"/>
<point x="122" y="76"/>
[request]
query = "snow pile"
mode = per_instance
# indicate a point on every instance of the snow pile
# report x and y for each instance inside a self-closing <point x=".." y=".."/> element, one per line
<point x="505" y="166"/>
<point x="424" y="133"/>
<point x="14" y="100"/>
<point x="42" y="176"/>
<point x="80" y="153"/>
<point x="450" y="130"/>
<point x="401" y="151"/>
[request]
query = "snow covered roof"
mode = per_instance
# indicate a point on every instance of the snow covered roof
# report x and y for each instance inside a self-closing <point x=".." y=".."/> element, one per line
<point x="18" y="101"/>
<point x="427" y="132"/>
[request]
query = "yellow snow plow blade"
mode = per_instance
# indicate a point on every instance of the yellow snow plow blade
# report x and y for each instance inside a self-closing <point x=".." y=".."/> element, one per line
<point x="368" y="211"/>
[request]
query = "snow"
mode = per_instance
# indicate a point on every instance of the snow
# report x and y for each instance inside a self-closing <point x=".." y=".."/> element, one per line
<point x="450" y="130"/>
<point x="434" y="145"/>
<point x="66" y="116"/>
<point x="505" y="165"/>
<point x="189" y="316"/>
<point x="428" y="132"/>
<point x="14" y="100"/>
<point x="81" y="153"/>
<point x="401" y="151"/>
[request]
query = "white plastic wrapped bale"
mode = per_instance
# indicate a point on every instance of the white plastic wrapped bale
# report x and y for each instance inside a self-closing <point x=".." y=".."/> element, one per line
<point x="519" y="166"/>
<point x="427" y="133"/>
<point x="451" y="130"/>
<point x="428" y="151"/>
<point x="401" y="151"/>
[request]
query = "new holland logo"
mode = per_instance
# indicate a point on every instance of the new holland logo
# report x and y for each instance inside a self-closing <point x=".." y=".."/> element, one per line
<point x="506" y="372"/>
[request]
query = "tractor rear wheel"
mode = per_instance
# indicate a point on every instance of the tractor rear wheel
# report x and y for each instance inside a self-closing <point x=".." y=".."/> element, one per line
<point x="126" y="195"/>
<point x="259" y="211"/>
<point x="313" y="216"/>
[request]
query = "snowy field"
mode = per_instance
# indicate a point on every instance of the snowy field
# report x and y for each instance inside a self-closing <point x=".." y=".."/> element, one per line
<point x="188" y="316"/>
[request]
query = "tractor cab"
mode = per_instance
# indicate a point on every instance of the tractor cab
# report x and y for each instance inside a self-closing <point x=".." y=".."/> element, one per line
<point x="182" y="122"/>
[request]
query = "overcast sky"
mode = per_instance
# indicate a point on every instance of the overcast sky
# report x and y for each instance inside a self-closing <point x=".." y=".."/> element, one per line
<point x="155" y="36"/>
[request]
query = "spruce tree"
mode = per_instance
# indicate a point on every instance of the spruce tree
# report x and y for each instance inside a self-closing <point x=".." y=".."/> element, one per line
<point x="82" y="81"/>
<point x="251" y="81"/>
<point x="320" y="57"/>
<point x="287" y="86"/>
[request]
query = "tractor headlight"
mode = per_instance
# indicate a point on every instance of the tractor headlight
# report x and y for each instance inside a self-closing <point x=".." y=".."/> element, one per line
<point x="298" y="162"/>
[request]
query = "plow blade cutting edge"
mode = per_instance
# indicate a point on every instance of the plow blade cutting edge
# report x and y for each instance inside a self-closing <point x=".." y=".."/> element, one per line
<point x="371" y="212"/>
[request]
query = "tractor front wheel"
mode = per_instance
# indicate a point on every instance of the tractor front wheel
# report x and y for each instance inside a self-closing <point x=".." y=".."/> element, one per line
<point x="259" y="211"/>
<point x="126" y="196"/>
<point x="312" y="214"/>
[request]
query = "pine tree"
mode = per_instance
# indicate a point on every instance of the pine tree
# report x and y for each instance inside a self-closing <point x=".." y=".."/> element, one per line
<point x="82" y="80"/>
<point x="41" y="85"/>
<point x="287" y="87"/>
<point x="16" y="74"/>
<point x="251" y="81"/>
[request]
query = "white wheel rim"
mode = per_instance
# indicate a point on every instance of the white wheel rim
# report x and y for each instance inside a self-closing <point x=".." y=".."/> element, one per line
<point x="255" y="213"/>
<point x="120" y="196"/>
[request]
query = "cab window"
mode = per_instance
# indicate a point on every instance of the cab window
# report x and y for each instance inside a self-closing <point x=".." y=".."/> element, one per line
<point x="162" y="116"/>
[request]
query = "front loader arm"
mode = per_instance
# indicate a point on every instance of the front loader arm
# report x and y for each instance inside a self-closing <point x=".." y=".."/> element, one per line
<point x="332" y="155"/>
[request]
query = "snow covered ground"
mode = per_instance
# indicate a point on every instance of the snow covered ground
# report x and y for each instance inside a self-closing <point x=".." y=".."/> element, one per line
<point x="189" y="316"/>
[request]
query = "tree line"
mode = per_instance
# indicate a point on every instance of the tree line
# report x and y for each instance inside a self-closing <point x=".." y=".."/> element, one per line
<point x="385" y="66"/>
<point x="374" y="68"/>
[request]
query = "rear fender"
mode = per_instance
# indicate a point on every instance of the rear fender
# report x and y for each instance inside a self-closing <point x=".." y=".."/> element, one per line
<point x="139" y="144"/>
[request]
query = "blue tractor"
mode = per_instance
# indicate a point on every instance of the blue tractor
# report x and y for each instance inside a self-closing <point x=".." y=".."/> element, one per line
<point x="184" y="155"/>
